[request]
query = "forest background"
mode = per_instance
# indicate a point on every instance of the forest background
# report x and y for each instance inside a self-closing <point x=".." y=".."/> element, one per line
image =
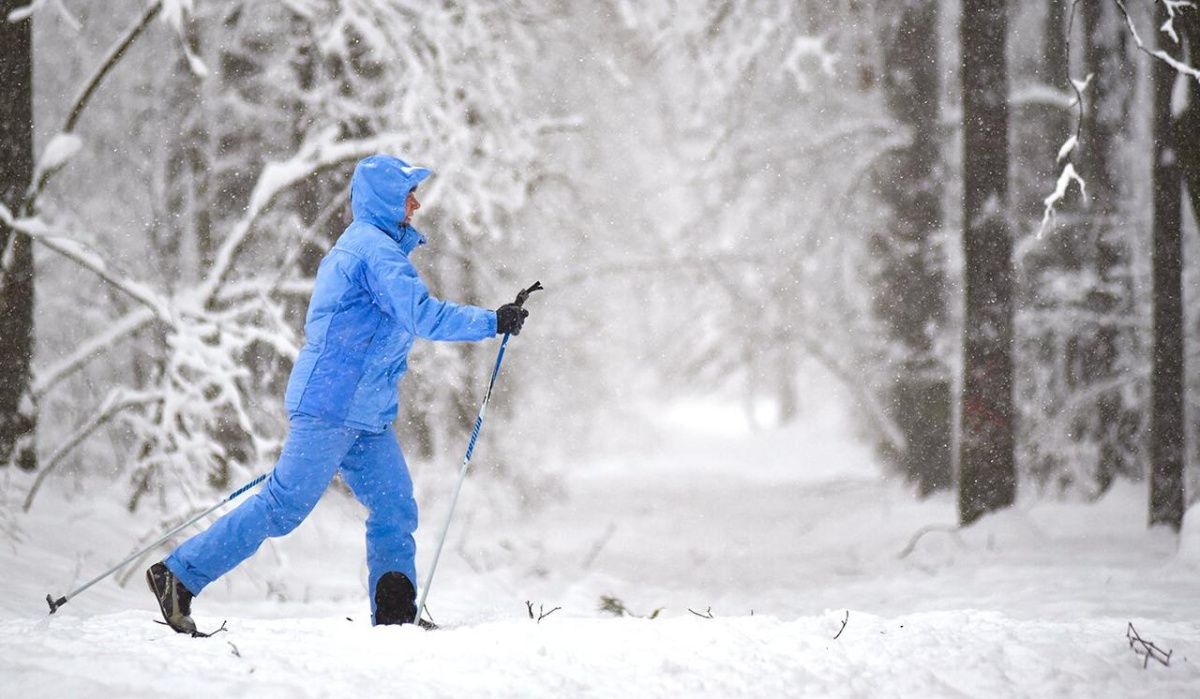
<point x="722" y="199"/>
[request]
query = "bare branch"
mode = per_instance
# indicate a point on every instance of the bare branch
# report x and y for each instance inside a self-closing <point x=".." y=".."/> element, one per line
<point x="706" y="614"/>
<point x="89" y="88"/>
<point x="114" y="56"/>
<point x="542" y="614"/>
<point x="69" y="247"/>
<point x="116" y="403"/>
<point x="90" y="349"/>
<point x="1146" y="650"/>
<point x="912" y="543"/>
<point x="844" y="622"/>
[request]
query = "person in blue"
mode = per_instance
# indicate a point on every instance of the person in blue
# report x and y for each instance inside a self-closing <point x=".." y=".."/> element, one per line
<point x="368" y="306"/>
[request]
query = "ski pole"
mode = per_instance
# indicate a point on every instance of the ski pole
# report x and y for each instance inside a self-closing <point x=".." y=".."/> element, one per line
<point x="462" y="471"/>
<point x="56" y="603"/>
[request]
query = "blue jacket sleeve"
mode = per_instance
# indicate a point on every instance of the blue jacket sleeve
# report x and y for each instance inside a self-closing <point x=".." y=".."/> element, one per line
<point x="395" y="285"/>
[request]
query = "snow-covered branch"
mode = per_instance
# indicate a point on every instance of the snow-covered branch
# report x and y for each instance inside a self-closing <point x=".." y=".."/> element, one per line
<point x="91" y="348"/>
<point x="1068" y="173"/>
<point x="85" y="95"/>
<point x="320" y="152"/>
<point x="1065" y="179"/>
<point x="69" y="247"/>
<point x="1174" y="7"/>
<point x="117" y="402"/>
<point x="1178" y="65"/>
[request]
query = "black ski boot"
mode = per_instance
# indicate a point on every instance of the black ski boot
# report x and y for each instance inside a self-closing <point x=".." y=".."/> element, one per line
<point x="395" y="600"/>
<point x="174" y="599"/>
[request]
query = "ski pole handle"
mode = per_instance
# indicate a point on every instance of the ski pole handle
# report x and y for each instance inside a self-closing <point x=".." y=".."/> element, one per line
<point x="524" y="293"/>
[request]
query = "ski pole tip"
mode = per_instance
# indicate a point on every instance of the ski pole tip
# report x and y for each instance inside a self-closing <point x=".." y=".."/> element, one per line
<point x="55" y="603"/>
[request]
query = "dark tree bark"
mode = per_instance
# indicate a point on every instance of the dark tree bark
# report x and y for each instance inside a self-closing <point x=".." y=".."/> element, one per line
<point x="1187" y="131"/>
<point x="1167" y="382"/>
<point x="987" y="479"/>
<point x="17" y="413"/>
<point x="910" y="295"/>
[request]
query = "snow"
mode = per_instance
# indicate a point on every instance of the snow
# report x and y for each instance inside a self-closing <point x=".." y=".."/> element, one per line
<point x="61" y="148"/>
<point x="784" y="533"/>
<point x="23" y="13"/>
<point x="1067" y="148"/>
<point x="1065" y="178"/>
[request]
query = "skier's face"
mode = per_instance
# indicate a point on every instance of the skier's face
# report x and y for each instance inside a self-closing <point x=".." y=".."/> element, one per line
<point x="410" y="205"/>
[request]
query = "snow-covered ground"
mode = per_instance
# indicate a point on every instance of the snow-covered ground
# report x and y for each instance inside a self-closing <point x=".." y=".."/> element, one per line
<point x="780" y="536"/>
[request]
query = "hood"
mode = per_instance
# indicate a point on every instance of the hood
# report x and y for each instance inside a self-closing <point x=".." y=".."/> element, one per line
<point x="378" y="191"/>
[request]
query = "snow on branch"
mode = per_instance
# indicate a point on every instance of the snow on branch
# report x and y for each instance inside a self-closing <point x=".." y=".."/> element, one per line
<point x="111" y="59"/>
<point x="22" y="13"/>
<point x="1169" y="28"/>
<point x="77" y="252"/>
<point x="1174" y="6"/>
<point x="90" y="349"/>
<point x="61" y="148"/>
<point x="1068" y="174"/>
<point x="174" y="12"/>
<point x="117" y="402"/>
<point x="320" y="152"/>
<point x="806" y="49"/>
<point x="1065" y="179"/>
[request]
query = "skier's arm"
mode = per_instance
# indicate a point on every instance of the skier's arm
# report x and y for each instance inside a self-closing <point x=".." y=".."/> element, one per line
<point x="396" y="287"/>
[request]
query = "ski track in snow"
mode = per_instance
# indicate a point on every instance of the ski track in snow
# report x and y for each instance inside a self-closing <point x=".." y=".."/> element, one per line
<point x="780" y="535"/>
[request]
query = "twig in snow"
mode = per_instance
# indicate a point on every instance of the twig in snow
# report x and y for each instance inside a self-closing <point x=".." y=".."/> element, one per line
<point x="706" y="614"/>
<point x="616" y="607"/>
<point x="844" y="622"/>
<point x="1145" y="649"/>
<point x="541" y="613"/>
<point x="235" y="652"/>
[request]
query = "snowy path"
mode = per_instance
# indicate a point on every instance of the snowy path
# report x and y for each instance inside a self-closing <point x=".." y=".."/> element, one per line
<point x="1032" y="602"/>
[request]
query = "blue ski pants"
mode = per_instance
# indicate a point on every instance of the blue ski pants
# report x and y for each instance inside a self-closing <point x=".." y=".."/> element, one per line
<point x="370" y="463"/>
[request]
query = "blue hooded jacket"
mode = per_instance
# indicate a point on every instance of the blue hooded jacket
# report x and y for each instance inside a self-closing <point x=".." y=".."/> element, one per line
<point x="369" y="304"/>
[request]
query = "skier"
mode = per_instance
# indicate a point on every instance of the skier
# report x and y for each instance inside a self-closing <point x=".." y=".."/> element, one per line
<point x="367" y="307"/>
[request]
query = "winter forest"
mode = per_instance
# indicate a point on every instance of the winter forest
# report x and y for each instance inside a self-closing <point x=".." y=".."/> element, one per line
<point x="865" y="365"/>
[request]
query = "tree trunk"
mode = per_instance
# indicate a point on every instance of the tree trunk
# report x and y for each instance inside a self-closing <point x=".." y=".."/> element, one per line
<point x="17" y="412"/>
<point x="910" y="296"/>
<point x="1167" y="382"/>
<point x="1187" y="129"/>
<point x="987" y="479"/>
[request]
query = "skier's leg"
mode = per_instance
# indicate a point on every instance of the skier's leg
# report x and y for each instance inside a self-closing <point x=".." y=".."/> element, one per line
<point x="375" y="470"/>
<point x="311" y="455"/>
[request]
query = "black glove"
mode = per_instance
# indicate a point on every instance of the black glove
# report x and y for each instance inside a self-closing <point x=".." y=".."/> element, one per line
<point x="509" y="319"/>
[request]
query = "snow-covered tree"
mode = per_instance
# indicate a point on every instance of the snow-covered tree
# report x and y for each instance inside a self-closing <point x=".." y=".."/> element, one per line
<point x="269" y="108"/>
